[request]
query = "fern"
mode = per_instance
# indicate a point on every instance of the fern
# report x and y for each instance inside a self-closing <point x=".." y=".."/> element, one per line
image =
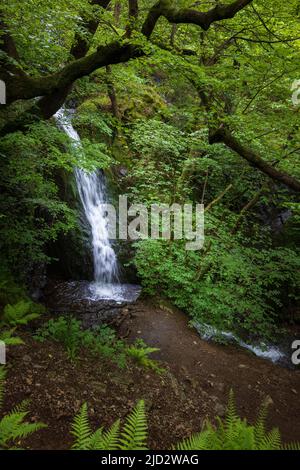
<point x="140" y="352"/>
<point x="132" y="437"/>
<point x="8" y="338"/>
<point x="106" y="440"/>
<point x="199" y="441"/>
<point x="12" y="425"/>
<point x="134" y="434"/>
<point x="20" y="313"/>
<point x="233" y="433"/>
<point x="291" y="446"/>
<point x="81" y="429"/>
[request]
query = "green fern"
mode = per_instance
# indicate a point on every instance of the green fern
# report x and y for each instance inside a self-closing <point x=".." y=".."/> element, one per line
<point x="233" y="433"/>
<point x="291" y="446"/>
<point x="134" y="434"/>
<point x="140" y="352"/>
<point x="20" y="313"/>
<point x="199" y="441"/>
<point x="81" y="429"/>
<point x="9" y="339"/>
<point x="12" y="425"/>
<point x="101" y="440"/>
<point x="132" y="437"/>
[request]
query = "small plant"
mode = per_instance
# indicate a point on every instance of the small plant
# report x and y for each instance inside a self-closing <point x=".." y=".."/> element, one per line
<point x="140" y="352"/>
<point x="132" y="436"/>
<point x="100" y="341"/>
<point x="12" y="425"/>
<point x="64" y="330"/>
<point x="103" y="341"/>
<point x="7" y="336"/>
<point x="20" y="313"/>
<point x="68" y="331"/>
<point x="235" y="433"/>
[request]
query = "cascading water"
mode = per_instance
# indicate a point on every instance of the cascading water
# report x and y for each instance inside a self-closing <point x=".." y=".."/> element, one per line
<point x="92" y="192"/>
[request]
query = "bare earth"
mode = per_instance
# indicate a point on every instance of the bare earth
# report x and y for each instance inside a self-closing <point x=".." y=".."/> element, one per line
<point x="195" y="386"/>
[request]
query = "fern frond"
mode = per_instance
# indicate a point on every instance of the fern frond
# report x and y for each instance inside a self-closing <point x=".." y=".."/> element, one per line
<point x="199" y="441"/>
<point x="134" y="433"/>
<point x="94" y="442"/>
<point x="21" y="407"/>
<point x="260" y="426"/>
<point x="291" y="446"/>
<point x="12" y="427"/>
<point x="230" y="428"/>
<point x="81" y="429"/>
<point x="106" y="440"/>
<point x="271" y="441"/>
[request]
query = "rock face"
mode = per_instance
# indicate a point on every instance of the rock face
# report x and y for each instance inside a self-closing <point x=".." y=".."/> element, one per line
<point x="77" y="299"/>
<point x="71" y="252"/>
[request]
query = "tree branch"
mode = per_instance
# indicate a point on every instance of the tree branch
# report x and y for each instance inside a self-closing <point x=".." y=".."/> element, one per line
<point x="223" y="135"/>
<point x="189" y="16"/>
<point x="133" y="14"/>
<point x="30" y="87"/>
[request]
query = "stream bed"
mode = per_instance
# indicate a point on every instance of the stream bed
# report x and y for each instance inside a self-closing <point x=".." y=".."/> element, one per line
<point x="278" y="353"/>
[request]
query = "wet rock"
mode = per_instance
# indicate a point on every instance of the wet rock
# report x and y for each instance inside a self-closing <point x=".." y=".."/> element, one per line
<point x="78" y="300"/>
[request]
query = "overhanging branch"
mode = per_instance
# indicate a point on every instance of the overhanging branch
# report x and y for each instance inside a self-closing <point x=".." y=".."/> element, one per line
<point x="31" y="87"/>
<point x="189" y="16"/>
<point x="223" y="135"/>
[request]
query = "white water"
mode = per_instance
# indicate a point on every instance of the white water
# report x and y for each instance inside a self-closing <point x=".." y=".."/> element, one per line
<point x="92" y="192"/>
<point x="266" y="351"/>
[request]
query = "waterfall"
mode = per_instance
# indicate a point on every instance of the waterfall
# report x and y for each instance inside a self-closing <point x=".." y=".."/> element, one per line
<point x="92" y="192"/>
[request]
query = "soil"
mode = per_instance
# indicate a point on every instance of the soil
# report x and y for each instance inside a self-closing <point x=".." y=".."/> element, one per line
<point x="194" y="387"/>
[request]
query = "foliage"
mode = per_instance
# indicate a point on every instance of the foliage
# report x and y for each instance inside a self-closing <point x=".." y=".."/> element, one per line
<point x="17" y="309"/>
<point x="227" y="284"/>
<point x="13" y="426"/>
<point x="239" y="74"/>
<point x="140" y="352"/>
<point x="7" y="336"/>
<point x="33" y="213"/>
<point x="21" y="313"/>
<point x="10" y="291"/>
<point x="234" y="433"/>
<point x="132" y="436"/>
<point x="99" y="341"/>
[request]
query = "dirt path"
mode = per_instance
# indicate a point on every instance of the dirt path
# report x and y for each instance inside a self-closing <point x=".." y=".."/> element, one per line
<point x="215" y="369"/>
<point x="194" y="387"/>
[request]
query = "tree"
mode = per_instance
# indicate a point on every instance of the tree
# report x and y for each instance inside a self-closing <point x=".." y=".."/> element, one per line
<point x="97" y="40"/>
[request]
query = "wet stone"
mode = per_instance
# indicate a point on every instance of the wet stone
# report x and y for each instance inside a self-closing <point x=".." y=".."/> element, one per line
<point x="83" y="301"/>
